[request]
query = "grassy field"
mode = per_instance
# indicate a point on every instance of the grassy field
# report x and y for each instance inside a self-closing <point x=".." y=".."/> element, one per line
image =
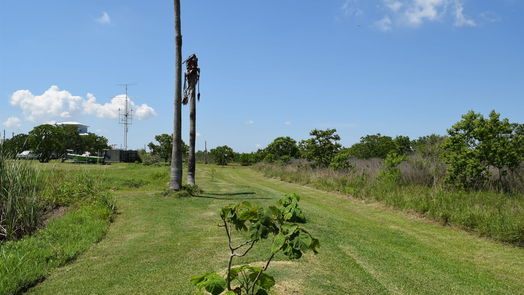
<point x="156" y="244"/>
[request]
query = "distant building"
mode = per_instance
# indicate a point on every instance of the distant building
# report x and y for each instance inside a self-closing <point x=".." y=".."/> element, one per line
<point x="82" y="128"/>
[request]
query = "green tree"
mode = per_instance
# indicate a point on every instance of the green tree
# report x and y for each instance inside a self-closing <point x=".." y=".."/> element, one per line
<point x="46" y="140"/>
<point x="16" y="145"/>
<point x="69" y="139"/>
<point x="282" y="149"/>
<point x="373" y="146"/>
<point x="402" y="145"/>
<point x="429" y="146"/>
<point x="246" y="159"/>
<point x="222" y="155"/>
<point x="341" y="160"/>
<point x="477" y="143"/>
<point x="93" y="143"/>
<point x="321" y="148"/>
<point x="164" y="147"/>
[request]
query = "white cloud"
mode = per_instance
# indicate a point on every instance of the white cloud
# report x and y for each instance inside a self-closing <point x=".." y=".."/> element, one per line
<point x="144" y="111"/>
<point x="250" y="122"/>
<point x="394" y="5"/>
<point x="104" y="19"/>
<point x="12" y="122"/>
<point x="55" y="103"/>
<point x="51" y="104"/>
<point x="415" y="13"/>
<point x="419" y="11"/>
<point x="490" y="17"/>
<point x="350" y="8"/>
<point x="287" y="123"/>
<point x="113" y="108"/>
<point x="198" y="134"/>
<point x="460" y="18"/>
<point x="383" y="24"/>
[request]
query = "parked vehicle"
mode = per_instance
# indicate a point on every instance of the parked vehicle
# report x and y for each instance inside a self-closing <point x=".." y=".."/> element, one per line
<point x="27" y="155"/>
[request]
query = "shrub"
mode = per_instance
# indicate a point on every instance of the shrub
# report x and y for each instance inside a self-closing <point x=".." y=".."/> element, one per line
<point x="149" y="159"/>
<point x="476" y="143"/>
<point x="391" y="174"/>
<point x="64" y="189"/>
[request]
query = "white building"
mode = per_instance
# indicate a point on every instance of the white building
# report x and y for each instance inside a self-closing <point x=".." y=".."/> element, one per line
<point x="82" y="128"/>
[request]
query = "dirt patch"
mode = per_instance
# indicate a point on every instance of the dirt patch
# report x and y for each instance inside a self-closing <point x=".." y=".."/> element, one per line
<point x="289" y="288"/>
<point x="55" y="213"/>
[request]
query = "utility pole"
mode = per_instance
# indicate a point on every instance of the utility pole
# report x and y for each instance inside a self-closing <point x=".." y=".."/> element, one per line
<point x="126" y="116"/>
<point x="205" y="151"/>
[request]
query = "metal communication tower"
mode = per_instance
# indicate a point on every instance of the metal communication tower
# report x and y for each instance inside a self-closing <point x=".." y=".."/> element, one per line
<point x="125" y="116"/>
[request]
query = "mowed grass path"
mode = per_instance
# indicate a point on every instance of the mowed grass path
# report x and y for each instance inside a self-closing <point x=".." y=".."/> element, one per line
<point x="156" y="244"/>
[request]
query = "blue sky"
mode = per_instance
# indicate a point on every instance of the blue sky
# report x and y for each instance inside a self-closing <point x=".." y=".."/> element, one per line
<point x="269" y="68"/>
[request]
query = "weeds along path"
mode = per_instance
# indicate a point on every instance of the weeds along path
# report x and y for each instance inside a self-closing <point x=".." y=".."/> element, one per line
<point x="156" y="244"/>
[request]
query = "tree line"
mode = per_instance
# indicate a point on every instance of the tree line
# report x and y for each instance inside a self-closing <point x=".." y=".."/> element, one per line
<point x="474" y="150"/>
<point x="49" y="141"/>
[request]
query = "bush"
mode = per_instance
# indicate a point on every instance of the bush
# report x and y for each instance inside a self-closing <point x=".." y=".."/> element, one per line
<point x="149" y="159"/>
<point x="64" y="189"/>
<point x="391" y="174"/>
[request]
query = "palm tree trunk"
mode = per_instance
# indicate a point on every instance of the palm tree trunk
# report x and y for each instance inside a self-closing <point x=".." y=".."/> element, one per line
<point x="192" y="140"/>
<point x="176" y="158"/>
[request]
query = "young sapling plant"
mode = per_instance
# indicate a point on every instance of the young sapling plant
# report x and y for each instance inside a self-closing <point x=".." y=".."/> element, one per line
<point x="257" y="224"/>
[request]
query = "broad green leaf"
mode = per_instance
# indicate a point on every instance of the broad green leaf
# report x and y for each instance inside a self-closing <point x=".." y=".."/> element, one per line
<point x="196" y="280"/>
<point x="212" y="282"/>
<point x="266" y="281"/>
<point x="215" y="284"/>
<point x="278" y="242"/>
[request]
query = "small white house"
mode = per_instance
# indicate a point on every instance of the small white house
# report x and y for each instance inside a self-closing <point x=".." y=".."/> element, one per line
<point x="82" y="128"/>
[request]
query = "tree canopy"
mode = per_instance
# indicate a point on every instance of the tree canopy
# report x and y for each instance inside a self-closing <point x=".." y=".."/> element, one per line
<point x="321" y="148"/>
<point x="165" y="146"/>
<point x="477" y="143"/>
<point x="282" y="149"/>
<point x="222" y="155"/>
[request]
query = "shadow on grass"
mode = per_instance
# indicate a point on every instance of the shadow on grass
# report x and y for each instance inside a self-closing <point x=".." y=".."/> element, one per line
<point x="232" y="196"/>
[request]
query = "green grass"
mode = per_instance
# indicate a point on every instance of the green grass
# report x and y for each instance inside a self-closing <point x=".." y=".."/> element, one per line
<point x="156" y="244"/>
<point x="24" y="263"/>
<point x="86" y="208"/>
<point x="489" y="214"/>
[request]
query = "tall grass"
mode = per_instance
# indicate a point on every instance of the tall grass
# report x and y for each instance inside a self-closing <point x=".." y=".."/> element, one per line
<point x="25" y="262"/>
<point x="20" y="206"/>
<point x="487" y="213"/>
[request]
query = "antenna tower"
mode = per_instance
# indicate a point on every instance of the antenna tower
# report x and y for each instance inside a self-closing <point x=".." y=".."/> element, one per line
<point x="125" y="116"/>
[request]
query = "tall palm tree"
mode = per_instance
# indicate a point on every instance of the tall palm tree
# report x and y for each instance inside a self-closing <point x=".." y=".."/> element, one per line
<point x="192" y="77"/>
<point x="176" y="158"/>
